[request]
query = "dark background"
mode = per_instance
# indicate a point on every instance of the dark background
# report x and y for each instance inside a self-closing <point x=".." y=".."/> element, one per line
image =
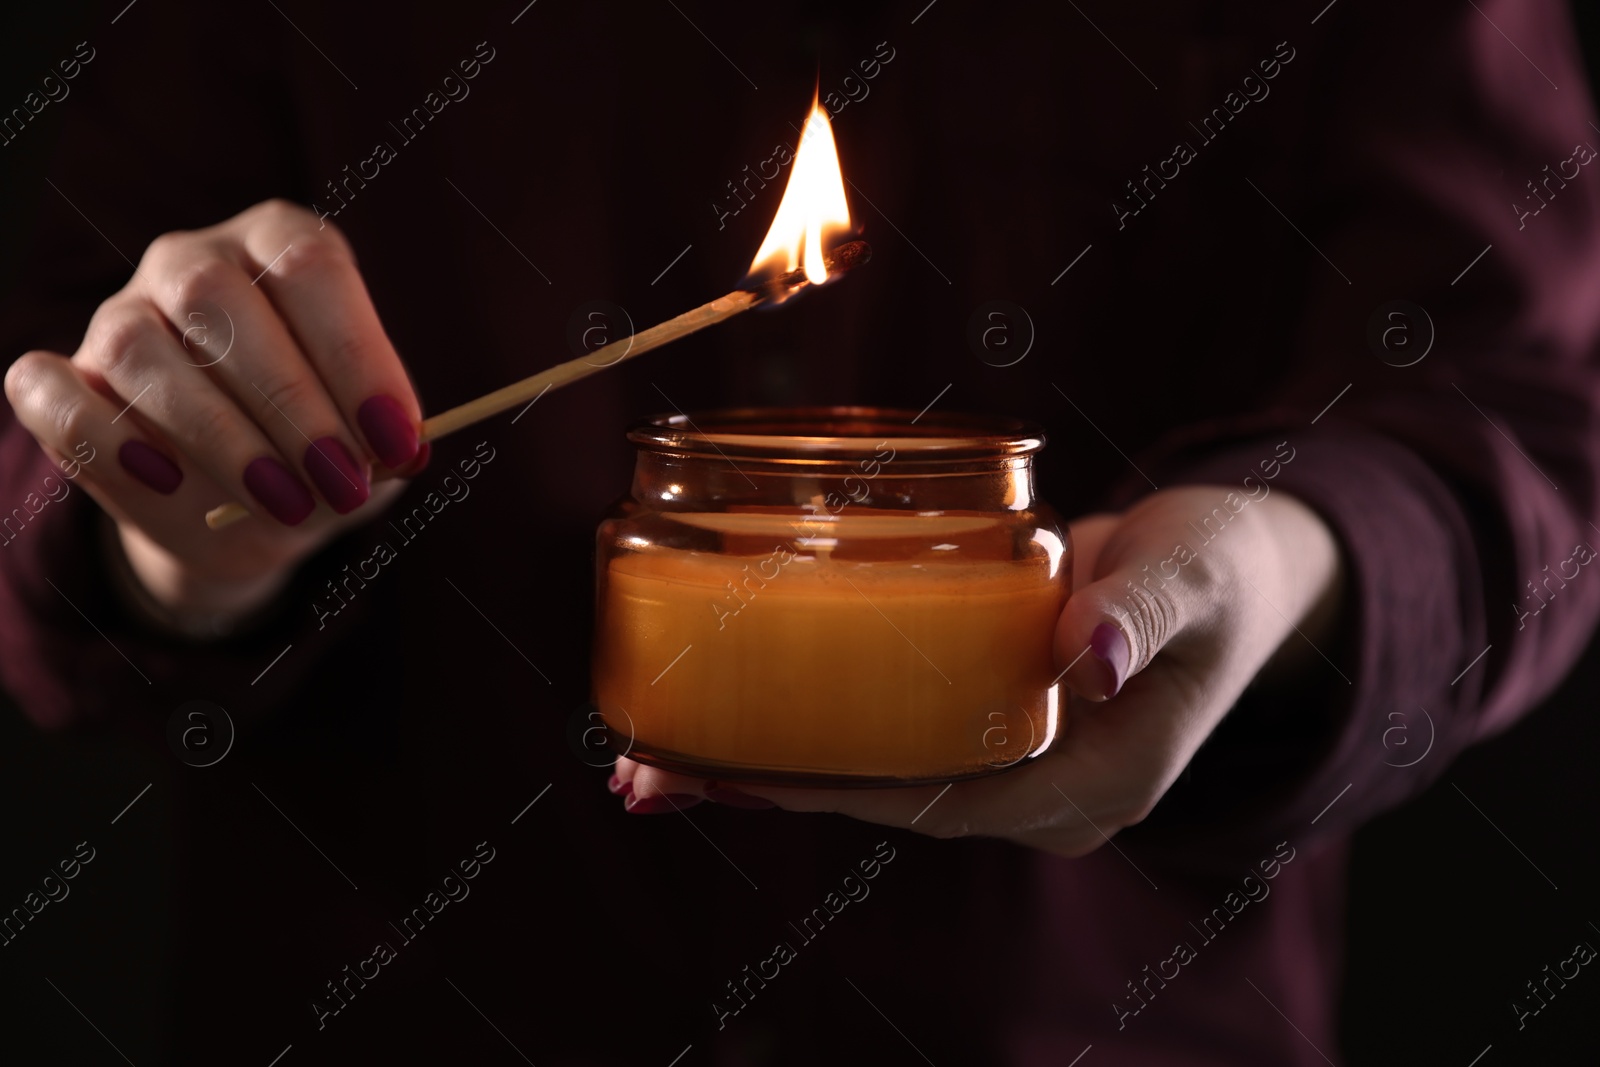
<point x="1448" y="917"/>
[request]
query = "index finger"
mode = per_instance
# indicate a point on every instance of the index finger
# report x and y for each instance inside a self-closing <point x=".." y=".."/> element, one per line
<point x="309" y="274"/>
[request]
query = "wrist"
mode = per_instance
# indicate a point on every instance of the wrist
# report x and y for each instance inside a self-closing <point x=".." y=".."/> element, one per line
<point x="157" y="587"/>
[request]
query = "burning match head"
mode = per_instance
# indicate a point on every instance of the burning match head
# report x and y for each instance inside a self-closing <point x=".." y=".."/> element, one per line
<point x="848" y="256"/>
<point x="845" y="257"/>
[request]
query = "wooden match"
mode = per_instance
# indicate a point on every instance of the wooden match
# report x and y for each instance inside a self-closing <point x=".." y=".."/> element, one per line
<point x="843" y="258"/>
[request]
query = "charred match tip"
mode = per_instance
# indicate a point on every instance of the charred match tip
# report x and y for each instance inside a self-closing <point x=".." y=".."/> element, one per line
<point x="847" y="256"/>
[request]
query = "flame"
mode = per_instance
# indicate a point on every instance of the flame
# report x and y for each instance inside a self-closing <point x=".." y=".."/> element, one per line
<point x="813" y="207"/>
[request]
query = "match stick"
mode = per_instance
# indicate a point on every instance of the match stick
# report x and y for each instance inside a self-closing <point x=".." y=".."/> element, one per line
<point x="843" y="258"/>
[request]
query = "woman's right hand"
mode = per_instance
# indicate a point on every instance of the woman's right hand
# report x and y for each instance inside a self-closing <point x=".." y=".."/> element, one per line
<point x="241" y="362"/>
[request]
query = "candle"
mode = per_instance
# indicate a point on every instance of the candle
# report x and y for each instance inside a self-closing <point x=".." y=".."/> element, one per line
<point x="868" y="647"/>
<point x="831" y="596"/>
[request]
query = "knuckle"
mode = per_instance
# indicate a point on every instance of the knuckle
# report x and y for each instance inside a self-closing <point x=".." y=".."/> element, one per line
<point x="120" y="336"/>
<point x="70" y="416"/>
<point x="277" y="207"/>
<point x="22" y="377"/>
<point x="1151" y="622"/>
<point x="205" y="281"/>
<point x="282" y="215"/>
<point x="51" y="411"/>
<point x="287" y="217"/>
<point x="312" y="257"/>
<point x="209" y="427"/>
<point x="1163" y="623"/>
<point x="352" y="349"/>
<point x="288" y="393"/>
<point x="273" y="214"/>
<point x="168" y="250"/>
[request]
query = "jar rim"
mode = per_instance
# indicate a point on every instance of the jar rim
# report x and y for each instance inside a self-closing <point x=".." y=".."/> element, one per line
<point x="837" y="432"/>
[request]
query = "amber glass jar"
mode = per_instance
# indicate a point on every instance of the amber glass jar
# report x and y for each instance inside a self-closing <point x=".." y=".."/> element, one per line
<point x="831" y="596"/>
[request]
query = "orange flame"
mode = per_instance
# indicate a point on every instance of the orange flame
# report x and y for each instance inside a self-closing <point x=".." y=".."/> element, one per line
<point x="813" y="209"/>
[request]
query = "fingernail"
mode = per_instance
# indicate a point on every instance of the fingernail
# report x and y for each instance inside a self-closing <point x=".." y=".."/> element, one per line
<point x="722" y="794"/>
<point x="278" y="491"/>
<point x="659" y="803"/>
<point x="389" y="430"/>
<point x="1111" y="649"/>
<point x="418" y="463"/>
<point x="618" y="787"/>
<point x="149" y="466"/>
<point x="336" y="474"/>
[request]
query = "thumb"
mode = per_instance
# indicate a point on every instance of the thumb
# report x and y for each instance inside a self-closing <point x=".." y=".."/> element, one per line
<point x="1113" y="627"/>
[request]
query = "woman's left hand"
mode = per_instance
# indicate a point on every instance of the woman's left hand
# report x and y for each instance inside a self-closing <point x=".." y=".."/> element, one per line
<point x="1157" y="657"/>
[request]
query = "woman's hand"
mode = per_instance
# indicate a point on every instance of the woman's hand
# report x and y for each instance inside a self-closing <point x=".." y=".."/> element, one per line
<point x="241" y="362"/>
<point x="1158" y="656"/>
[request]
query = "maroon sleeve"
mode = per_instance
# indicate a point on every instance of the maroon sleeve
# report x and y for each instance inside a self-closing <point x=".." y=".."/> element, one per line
<point x="1462" y="487"/>
<point x="69" y="649"/>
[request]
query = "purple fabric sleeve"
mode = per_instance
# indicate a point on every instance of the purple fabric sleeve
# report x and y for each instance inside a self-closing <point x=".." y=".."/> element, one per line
<point x="72" y="652"/>
<point x="1453" y="482"/>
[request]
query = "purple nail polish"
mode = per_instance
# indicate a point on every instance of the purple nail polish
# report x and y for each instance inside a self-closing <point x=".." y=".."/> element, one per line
<point x="1111" y="649"/>
<point x="149" y="466"/>
<point x="279" y="491"/>
<point x="659" y="803"/>
<point x="336" y="474"/>
<point x="388" y="429"/>
<point x="733" y="798"/>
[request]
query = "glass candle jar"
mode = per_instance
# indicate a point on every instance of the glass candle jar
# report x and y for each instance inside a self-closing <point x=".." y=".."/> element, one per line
<point x="831" y="596"/>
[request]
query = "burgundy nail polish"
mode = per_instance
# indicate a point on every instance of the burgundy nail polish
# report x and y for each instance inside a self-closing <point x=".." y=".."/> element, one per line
<point x="733" y="798"/>
<point x="618" y="787"/>
<point x="149" y="466"/>
<point x="659" y="803"/>
<point x="1111" y="649"/>
<point x="336" y="474"/>
<point x="279" y="491"/>
<point x="388" y="429"/>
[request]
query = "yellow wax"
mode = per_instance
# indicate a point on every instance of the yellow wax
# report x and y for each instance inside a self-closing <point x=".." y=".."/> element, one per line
<point x="857" y="669"/>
